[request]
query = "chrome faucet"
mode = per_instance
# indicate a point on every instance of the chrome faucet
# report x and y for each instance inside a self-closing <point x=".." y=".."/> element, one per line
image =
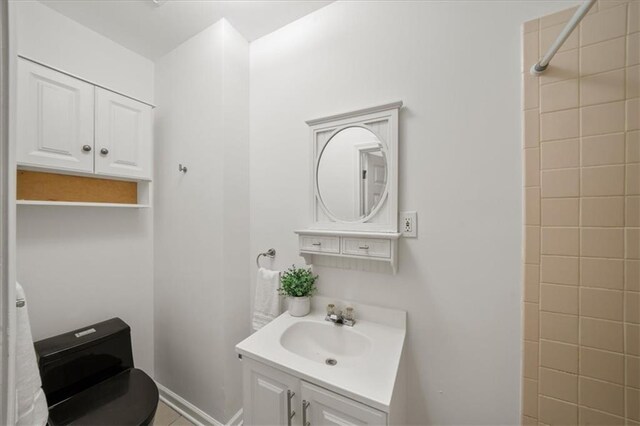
<point x="340" y="318"/>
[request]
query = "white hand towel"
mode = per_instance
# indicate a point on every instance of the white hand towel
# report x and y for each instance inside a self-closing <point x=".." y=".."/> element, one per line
<point x="31" y="401"/>
<point x="267" y="302"/>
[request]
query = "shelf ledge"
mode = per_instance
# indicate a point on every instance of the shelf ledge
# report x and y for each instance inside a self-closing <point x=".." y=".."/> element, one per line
<point x="78" y="204"/>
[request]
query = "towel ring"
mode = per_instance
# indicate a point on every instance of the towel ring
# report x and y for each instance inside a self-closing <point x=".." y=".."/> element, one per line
<point x="269" y="253"/>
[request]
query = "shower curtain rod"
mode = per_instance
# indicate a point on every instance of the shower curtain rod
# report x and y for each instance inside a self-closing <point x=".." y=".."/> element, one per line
<point x="542" y="65"/>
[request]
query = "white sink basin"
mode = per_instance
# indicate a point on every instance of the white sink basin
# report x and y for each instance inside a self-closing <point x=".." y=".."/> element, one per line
<point x="325" y="342"/>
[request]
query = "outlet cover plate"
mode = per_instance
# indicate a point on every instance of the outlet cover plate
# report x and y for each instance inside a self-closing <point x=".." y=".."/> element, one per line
<point x="409" y="224"/>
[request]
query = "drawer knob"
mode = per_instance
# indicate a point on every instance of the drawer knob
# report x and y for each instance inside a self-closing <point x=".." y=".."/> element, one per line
<point x="86" y="148"/>
<point x="104" y="151"/>
<point x="364" y="247"/>
<point x="316" y="244"/>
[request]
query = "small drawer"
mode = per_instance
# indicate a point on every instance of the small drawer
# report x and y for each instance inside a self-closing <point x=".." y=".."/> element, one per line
<point x="366" y="247"/>
<point x="320" y="244"/>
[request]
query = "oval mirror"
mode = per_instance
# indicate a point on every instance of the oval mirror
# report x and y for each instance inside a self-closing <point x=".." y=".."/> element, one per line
<point x="352" y="174"/>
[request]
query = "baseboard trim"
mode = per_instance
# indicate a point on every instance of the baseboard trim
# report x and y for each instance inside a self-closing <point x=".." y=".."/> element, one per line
<point x="186" y="409"/>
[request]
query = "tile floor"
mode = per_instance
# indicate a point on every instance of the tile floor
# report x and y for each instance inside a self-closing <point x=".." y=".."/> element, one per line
<point x="166" y="416"/>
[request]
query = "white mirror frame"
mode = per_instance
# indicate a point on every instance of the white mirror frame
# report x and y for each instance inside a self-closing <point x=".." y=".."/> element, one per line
<point x="382" y="121"/>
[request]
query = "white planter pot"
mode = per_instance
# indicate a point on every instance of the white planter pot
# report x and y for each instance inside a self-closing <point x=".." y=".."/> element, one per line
<point x="299" y="306"/>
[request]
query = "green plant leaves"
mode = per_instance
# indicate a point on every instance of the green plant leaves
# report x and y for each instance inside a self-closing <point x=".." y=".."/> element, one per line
<point x="297" y="282"/>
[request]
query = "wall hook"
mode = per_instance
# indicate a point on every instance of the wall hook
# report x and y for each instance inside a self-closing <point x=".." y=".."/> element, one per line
<point x="182" y="168"/>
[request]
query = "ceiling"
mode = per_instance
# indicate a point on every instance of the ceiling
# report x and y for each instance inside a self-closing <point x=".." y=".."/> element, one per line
<point x="153" y="30"/>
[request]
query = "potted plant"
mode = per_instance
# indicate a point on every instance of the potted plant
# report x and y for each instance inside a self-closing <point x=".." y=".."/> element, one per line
<point x="298" y="285"/>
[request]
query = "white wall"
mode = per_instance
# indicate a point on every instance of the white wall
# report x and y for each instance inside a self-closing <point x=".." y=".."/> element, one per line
<point x="201" y="232"/>
<point x="55" y="40"/>
<point x="82" y="265"/>
<point x="456" y="66"/>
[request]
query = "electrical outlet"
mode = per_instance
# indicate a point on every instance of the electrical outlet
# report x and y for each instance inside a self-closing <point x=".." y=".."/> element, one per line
<point x="409" y="224"/>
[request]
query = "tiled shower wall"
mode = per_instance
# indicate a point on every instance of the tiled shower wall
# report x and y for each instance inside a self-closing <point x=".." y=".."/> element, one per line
<point x="582" y="220"/>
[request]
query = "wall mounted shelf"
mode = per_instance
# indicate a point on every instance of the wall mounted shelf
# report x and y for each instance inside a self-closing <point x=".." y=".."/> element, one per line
<point x="378" y="247"/>
<point x="78" y="204"/>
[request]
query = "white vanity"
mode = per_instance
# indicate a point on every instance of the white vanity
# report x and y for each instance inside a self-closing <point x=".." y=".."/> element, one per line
<point x="309" y="372"/>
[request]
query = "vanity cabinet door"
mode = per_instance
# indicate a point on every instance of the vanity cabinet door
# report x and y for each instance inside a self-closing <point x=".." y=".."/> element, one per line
<point x="270" y="396"/>
<point x="123" y="136"/>
<point x="54" y="119"/>
<point x="328" y="408"/>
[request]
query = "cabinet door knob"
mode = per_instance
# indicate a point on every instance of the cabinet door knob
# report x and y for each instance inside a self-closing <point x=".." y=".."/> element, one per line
<point x="290" y="414"/>
<point x="316" y="244"/>
<point x="104" y="151"/>
<point x="86" y="148"/>
<point x="305" y="405"/>
<point x="363" y="247"/>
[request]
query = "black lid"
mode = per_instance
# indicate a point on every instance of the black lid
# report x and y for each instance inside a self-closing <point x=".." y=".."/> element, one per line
<point x="128" y="398"/>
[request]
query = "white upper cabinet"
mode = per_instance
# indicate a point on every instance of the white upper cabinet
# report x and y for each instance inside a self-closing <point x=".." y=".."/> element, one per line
<point x="123" y="136"/>
<point x="65" y="123"/>
<point x="55" y="119"/>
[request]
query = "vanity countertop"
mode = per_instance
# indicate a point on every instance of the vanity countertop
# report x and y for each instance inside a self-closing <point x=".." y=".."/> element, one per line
<point x="368" y="354"/>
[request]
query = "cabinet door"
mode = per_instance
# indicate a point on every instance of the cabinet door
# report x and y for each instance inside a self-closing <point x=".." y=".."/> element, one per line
<point x="123" y="136"/>
<point x="328" y="408"/>
<point x="270" y="396"/>
<point x="54" y="119"/>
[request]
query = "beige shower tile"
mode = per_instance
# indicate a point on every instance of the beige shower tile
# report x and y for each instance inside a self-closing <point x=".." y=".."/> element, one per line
<point x="531" y="95"/>
<point x="603" y="118"/>
<point x="602" y="180"/>
<point x="600" y="303"/>
<point x="560" y="154"/>
<point x="601" y="334"/>
<point x="531" y="327"/>
<point x="529" y="50"/>
<point x="633" y="404"/>
<point x="558" y="327"/>
<point x="600" y="395"/>
<point x="558" y="384"/>
<point x="605" y="56"/>
<point x="560" y="125"/>
<point x="560" y="183"/>
<point x="632" y="307"/>
<point x="559" y="356"/>
<point x="560" y="241"/>
<point x="603" y="150"/>
<point x="602" y="88"/>
<point x="561" y="211"/>
<point x="555" y="412"/>
<point x="558" y="96"/>
<point x="550" y="34"/>
<point x="633" y="49"/>
<point x="565" y="66"/>
<point x="632" y="243"/>
<point x="531" y="283"/>
<point x="531" y="26"/>
<point x="530" y="397"/>
<point x="559" y="270"/>
<point x="633" y="22"/>
<point x="633" y="147"/>
<point x="602" y="273"/>
<point x="529" y="421"/>
<point x="557" y="18"/>
<point x="633" y="82"/>
<point x="602" y="211"/>
<point x="632" y="371"/>
<point x="603" y="25"/>
<point x="632" y="275"/>
<point x="632" y="339"/>
<point x="531" y="128"/>
<point x="532" y="244"/>
<point x="602" y="242"/>
<point x="632" y="211"/>
<point x="559" y="298"/>
<point x="530" y="360"/>
<point x="602" y="365"/>
<point x="532" y="167"/>
<point x="632" y="179"/>
<point x="532" y="206"/>
<point x="589" y="417"/>
<point x="633" y="114"/>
